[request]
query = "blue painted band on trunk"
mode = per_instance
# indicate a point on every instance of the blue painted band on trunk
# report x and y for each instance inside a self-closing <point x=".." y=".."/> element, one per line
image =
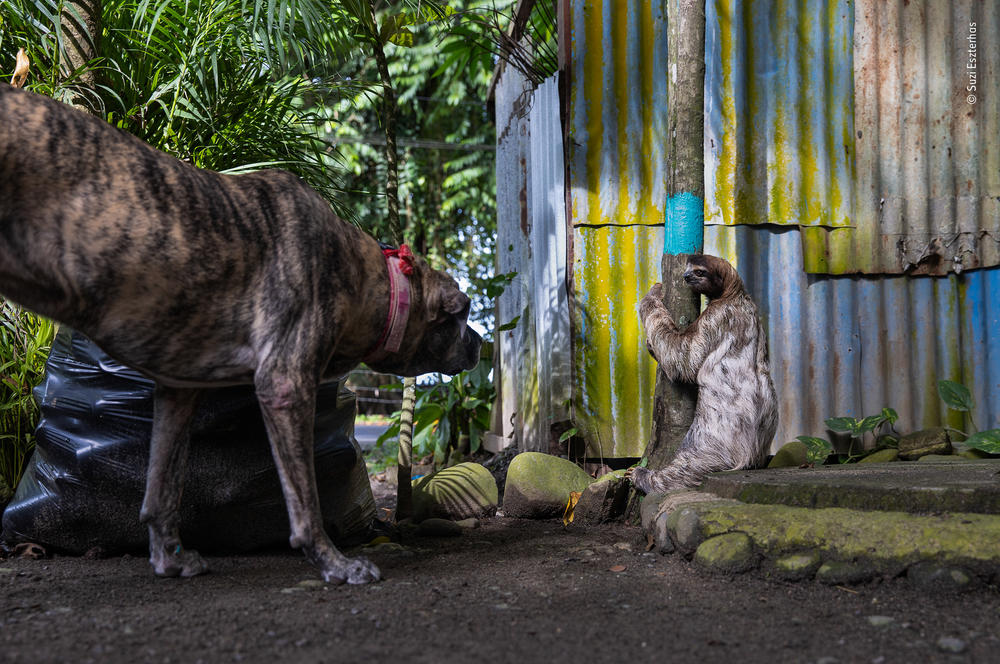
<point x="685" y="224"/>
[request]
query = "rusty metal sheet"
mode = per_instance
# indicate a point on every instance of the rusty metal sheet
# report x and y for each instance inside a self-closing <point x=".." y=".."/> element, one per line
<point x="535" y="359"/>
<point x="928" y="149"/>
<point x="854" y="122"/>
<point x="513" y="255"/>
<point x="548" y="245"/>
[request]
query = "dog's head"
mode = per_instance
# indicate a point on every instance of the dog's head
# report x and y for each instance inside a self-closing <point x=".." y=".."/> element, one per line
<point x="438" y="336"/>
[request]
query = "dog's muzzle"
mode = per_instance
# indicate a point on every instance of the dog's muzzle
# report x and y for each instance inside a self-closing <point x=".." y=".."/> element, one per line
<point x="473" y="344"/>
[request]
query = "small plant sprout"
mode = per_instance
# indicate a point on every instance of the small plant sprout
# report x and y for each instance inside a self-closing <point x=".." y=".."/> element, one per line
<point x="818" y="449"/>
<point x="958" y="397"/>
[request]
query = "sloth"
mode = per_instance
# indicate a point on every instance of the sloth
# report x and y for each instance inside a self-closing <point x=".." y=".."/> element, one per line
<point x="724" y="351"/>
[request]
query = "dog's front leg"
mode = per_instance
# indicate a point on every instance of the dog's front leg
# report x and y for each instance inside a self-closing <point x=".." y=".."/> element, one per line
<point x="172" y="411"/>
<point x="288" y="403"/>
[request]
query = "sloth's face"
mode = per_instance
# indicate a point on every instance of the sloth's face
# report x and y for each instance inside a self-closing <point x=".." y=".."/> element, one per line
<point x="702" y="279"/>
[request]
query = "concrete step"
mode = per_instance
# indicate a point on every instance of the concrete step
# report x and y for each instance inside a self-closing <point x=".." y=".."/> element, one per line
<point x="903" y="486"/>
<point x="936" y="522"/>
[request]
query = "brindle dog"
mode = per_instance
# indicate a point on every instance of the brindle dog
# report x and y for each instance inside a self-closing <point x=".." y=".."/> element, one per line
<point x="200" y="279"/>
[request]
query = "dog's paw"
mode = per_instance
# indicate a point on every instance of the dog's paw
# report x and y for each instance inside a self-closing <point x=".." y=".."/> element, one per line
<point x="179" y="562"/>
<point x="354" y="571"/>
<point x="362" y="570"/>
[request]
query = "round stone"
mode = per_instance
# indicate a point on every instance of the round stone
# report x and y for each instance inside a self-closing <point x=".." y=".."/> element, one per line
<point x="731" y="553"/>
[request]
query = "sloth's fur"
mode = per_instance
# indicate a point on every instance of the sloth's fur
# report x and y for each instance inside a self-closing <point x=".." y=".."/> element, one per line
<point x="724" y="351"/>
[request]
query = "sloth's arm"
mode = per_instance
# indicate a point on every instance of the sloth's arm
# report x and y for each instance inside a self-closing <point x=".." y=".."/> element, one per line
<point x="680" y="353"/>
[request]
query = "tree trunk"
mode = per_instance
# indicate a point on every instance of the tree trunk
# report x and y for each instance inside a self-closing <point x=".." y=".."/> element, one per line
<point x="81" y="29"/>
<point x="673" y="407"/>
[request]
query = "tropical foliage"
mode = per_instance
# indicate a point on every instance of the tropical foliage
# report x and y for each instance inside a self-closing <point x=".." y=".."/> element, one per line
<point x="25" y="340"/>
<point x="450" y="416"/>
<point x="441" y="73"/>
<point x="958" y="397"/>
<point x="223" y="84"/>
<point x="233" y="85"/>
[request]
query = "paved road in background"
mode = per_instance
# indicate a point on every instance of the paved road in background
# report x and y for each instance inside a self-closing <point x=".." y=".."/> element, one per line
<point x="367" y="434"/>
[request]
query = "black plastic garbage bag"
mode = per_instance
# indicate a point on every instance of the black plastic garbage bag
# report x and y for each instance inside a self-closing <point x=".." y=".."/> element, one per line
<point x="84" y="484"/>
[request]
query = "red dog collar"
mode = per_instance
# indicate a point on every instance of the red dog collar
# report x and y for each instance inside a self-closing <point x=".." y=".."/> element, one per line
<point x="400" y="264"/>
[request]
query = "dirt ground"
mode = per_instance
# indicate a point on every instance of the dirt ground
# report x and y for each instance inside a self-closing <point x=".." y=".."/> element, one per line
<point x="509" y="591"/>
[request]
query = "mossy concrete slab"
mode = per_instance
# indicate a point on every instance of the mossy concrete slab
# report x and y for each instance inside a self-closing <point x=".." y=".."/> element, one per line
<point x="797" y="566"/>
<point x="902" y="486"/>
<point x="887" y="542"/>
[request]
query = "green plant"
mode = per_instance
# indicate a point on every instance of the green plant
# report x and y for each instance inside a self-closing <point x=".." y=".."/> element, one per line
<point x="25" y="340"/>
<point x="224" y="84"/>
<point x="450" y="417"/>
<point x="958" y="397"/>
<point x="818" y="449"/>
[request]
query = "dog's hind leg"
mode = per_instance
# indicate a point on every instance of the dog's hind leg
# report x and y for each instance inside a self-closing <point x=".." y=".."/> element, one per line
<point x="172" y="411"/>
<point x="288" y="403"/>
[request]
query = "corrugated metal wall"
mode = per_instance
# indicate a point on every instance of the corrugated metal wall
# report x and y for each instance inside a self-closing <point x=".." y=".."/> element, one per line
<point x="518" y="389"/>
<point x="798" y="132"/>
<point x="548" y="246"/>
<point x="617" y="108"/>
<point x="927" y="198"/>
<point x="536" y="363"/>
<point x="830" y="113"/>
<point x="616" y="149"/>
<point x="853" y="345"/>
<point x="923" y="185"/>
<point x="614" y="266"/>
<point x="779" y="144"/>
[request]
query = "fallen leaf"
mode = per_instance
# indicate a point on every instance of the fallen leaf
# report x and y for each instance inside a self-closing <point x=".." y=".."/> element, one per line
<point x="574" y="496"/>
<point x="617" y="568"/>
<point x="21" y="67"/>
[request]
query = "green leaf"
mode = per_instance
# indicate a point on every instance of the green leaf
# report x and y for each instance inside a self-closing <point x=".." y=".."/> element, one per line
<point x="423" y="442"/>
<point x="388" y="434"/>
<point x="443" y="433"/>
<point x="843" y="425"/>
<point x="497" y="284"/>
<point x="890" y="415"/>
<point x="569" y="433"/>
<point x="817" y="449"/>
<point x="402" y="37"/>
<point x="475" y="437"/>
<point x="509" y="326"/>
<point x="955" y="395"/>
<point x="870" y="423"/>
<point x="986" y="441"/>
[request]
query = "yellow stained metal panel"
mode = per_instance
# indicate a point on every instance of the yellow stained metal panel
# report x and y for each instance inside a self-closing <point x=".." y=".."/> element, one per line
<point x="617" y="107"/>
<point x="615" y="377"/>
<point x="779" y="145"/>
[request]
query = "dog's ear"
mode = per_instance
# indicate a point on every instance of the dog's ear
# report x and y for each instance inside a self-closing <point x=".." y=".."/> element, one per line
<point x="445" y="299"/>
